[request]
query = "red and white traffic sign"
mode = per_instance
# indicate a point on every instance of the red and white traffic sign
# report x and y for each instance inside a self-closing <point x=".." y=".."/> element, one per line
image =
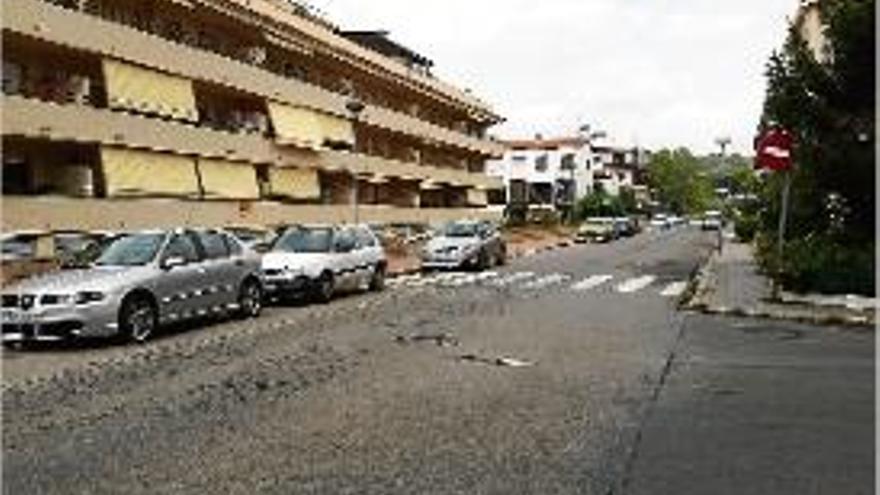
<point x="774" y="149"/>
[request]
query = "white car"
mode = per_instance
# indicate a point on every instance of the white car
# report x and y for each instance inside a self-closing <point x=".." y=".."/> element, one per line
<point x="322" y="260"/>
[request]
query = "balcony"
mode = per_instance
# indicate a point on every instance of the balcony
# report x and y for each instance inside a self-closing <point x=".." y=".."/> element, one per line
<point x="39" y="19"/>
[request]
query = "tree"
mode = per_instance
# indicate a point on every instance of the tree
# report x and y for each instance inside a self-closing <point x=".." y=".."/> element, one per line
<point x="681" y="183"/>
<point x="599" y="204"/>
<point x="828" y="105"/>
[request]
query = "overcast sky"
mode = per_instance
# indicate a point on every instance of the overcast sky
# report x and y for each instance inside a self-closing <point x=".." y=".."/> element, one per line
<point x="657" y="73"/>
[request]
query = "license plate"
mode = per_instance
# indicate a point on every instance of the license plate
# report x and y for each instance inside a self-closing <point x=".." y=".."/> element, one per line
<point x="16" y="317"/>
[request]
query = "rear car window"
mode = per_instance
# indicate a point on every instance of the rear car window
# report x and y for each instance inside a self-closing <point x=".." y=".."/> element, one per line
<point x="214" y="245"/>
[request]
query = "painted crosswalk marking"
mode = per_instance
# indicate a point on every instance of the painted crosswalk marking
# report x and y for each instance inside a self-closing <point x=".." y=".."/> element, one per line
<point x="674" y="289"/>
<point x="635" y="284"/>
<point x="546" y="281"/>
<point x="591" y="282"/>
<point x="512" y="279"/>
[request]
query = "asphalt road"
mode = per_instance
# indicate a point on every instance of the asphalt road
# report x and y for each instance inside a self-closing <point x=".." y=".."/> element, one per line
<point x="547" y="376"/>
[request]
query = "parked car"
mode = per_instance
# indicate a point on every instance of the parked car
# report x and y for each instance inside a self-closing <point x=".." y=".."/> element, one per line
<point x="661" y="221"/>
<point x="626" y="226"/>
<point x="140" y="282"/>
<point x="254" y="238"/>
<point x="598" y="229"/>
<point x="712" y="220"/>
<point x="465" y="244"/>
<point x="322" y="260"/>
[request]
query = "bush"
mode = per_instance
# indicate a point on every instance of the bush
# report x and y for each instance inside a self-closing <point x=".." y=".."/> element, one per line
<point x="746" y="227"/>
<point x="820" y="264"/>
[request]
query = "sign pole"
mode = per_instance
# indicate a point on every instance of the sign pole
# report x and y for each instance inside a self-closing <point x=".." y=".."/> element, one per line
<point x="780" y="239"/>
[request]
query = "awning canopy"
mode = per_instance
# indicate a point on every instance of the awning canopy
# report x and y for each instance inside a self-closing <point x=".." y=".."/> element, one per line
<point x="295" y="183"/>
<point x="223" y="179"/>
<point x="308" y="128"/>
<point x="129" y="172"/>
<point x="139" y="89"/>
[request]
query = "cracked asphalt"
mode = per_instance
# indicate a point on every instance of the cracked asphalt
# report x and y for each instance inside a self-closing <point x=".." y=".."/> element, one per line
<point x="475" y="387"/>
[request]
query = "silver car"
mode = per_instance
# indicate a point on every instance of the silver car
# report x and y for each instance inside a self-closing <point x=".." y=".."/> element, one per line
<point x="139" y="282"/>
<point x="465" y="244"/>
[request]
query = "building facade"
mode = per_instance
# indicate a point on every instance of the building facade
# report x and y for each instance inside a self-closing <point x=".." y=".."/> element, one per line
<point x="545" y="173"/>
<point x="121" y="114"/>
<point x="555" y="173"/>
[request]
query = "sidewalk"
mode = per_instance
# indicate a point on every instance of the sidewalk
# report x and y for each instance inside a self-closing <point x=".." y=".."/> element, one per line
<point x="730" y="283"/>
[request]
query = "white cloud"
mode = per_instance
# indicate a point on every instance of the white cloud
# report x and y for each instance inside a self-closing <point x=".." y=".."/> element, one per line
<point x="665" y="72"/>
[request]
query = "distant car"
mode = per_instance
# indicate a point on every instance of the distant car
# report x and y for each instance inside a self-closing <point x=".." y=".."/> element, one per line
<point x="598" y="229"/>
<point x="712" y="220"/>
<point x="322" y="260"/>
<point x="139" y="282"/>
<point x="661" y="221"/>
<point x="626" y="226"/>
<point x="465" y="244"/>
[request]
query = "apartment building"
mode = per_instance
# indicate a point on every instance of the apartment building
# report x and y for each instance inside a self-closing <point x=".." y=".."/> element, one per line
<point x="809" y="24"/>
<point x="122" y="114"/>
<point x="545" y="173"/>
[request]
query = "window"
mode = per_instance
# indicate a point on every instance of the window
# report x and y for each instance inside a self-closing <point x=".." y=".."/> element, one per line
<point x="541" y="163"/>
<point x="233" y="244"/>
<point x="519" y="158"/>
<point x="214" y="245"/>
<point x="364" y="238"/>
<point x="567" y="162"/>
<point x="181" y="246"/>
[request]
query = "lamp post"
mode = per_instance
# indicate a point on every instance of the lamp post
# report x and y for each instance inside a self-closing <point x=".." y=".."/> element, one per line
<point x="355" y="106"/>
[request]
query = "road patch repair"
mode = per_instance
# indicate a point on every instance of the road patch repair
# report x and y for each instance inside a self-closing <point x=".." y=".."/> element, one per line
<point x="440" y="339"/>
<point x="507" y="361"/>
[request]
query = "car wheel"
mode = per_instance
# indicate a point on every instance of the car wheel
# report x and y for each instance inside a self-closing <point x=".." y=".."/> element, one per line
<point x="502" y="257"/>
<point x="138" y="319"/>
<point x="377" y="282"/>
<point x="483" y="260"/>
<point x="325" y="288"/>
<point x="250" y="299"/>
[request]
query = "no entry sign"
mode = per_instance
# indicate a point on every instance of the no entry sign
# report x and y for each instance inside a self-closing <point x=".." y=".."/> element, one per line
<point x="773" y="150"/>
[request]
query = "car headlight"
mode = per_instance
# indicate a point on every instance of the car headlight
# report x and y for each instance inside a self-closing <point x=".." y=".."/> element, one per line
<point x="88" y="297"/>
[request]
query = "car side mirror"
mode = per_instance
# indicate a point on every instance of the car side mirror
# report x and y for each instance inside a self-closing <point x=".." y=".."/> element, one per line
<point x="173" y="262"/>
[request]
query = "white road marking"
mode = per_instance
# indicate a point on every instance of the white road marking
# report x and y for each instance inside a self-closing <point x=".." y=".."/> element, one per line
<point x="591" y="282"/>
<point x="635" y="284"/>
<point x="512" y="278"/>
<point x="674" y="289"/>
<point x="546" y="281"/>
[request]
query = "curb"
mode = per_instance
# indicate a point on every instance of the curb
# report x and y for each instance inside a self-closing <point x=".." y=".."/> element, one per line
<point x="695" y="298"/>
<point x="815" y="319"/>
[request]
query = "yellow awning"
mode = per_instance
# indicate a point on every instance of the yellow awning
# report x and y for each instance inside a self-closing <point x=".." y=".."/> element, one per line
<point x="222" y="179"/>
<point x="477" y="197"/>
<point x="296" y="183"/>
<point x="143" y="90"/>
<point x="308" y="128"/>
<point x="130" y="172"/>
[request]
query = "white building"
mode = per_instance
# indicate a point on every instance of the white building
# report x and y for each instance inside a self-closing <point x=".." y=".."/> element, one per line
<point x="545" y="173"/>
<point x="553" y="173"/>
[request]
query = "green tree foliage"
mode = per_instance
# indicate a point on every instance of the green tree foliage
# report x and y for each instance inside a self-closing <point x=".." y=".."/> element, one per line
<point x="828" y="105"/>
<point x="599" y="204"/>
<point x="682" y="183"/>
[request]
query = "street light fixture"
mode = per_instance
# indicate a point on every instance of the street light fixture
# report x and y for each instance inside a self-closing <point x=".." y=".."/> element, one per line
<point x="355" y="106"/>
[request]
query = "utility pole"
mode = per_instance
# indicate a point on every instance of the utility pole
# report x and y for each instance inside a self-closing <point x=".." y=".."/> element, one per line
<point x="355" y="106"/>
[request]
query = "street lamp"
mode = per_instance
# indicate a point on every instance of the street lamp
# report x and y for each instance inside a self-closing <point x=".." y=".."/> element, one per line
<point x="355" y="106"/>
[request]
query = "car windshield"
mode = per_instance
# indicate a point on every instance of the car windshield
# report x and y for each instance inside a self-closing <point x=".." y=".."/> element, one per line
<point x="460" y="229"/>
<point x="131" y="250"/>
<point x="304" y="240"/>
